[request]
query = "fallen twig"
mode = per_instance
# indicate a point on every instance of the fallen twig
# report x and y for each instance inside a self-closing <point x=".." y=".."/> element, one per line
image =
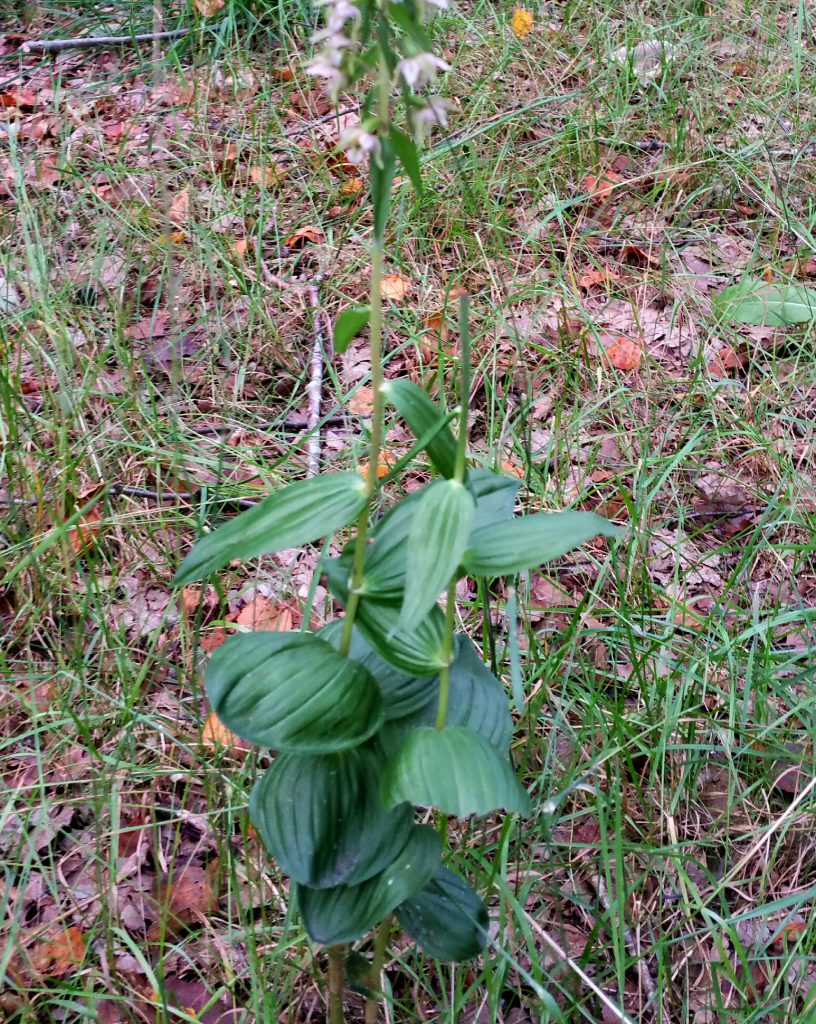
<point x="314" y="388"/>
<point x="80" y="42"/>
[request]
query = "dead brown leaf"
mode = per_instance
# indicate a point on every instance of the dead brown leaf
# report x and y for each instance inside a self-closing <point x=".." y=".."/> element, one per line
<point x="309" y="235"/>
<point x="267" y="175"/>
<point x="395" y="287"/>
<point x="208" y="8"/>
<point x="186" y="895"/>
<point x="150" y="327"/>
<point x="595" y="276"/>
<point x="216" y="736"/>
<point x="260" y="614"/>
<point x="599" y="187"/>
<point x="59" y="955"/>
<point x="361" y="402"/>
<point x="624" y="353"/>
<point x="83" y="536"/>
<point x="179" y="211"/>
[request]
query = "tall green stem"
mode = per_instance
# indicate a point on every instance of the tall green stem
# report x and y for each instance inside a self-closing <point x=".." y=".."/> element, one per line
<point x="372" y="1005"/>
<point x="337" y="956"/>
<point x="376" y="345"/>
<point x="459" y="474"/>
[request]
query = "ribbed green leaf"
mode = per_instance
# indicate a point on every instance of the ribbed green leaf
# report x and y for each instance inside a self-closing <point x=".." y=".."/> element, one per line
<point x="452" y="769"/>
<point x="292" y="692"/>
<point x="495" y="497"/>
<point x="348" y="324"/>
<point x="296" y="515"/>
<point x="408" y="156"/>
<point x="476" y="700"/>
<point x="529" y="541"/>
<point x="754" y="301"/>
<point x="346" y="912"/>
<point x="381" y="175"/>
<point x="420" y="651"/>
<point x="421" y="414"/>
<point x="439" y="532"/>
<point x="402" y="694"/>
<point x="447" y="918"/>
<point x="322" y="820"/>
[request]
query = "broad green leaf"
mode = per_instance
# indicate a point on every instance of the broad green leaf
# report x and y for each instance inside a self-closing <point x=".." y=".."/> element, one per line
<point x="321" y="818"/>
<point x="408" y="156"/>
<point x="476" y="700"/>
<point x="382" y="178"/>
<point x="348" y="324"/>
<point x="495" y="497"/>
<point x="455" y="770"/>
<point x="295" y="515"/>
<point x="420" y="651"/>
<point x="292" y="692"/>
<point x="402" y="694"/>
<point x="346" y="912"/>
<point x="754" y="301"/>
<point x="411" y="25"/>
<point x="447" y="918"/>
<point x="529" y="541"/>
<point x="439" y="533"/>
<point x="421" y="413"/>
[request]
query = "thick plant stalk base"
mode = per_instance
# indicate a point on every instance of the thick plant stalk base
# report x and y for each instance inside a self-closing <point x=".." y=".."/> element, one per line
<point x="372" y="1006"/>
<point x="337" y="959"/>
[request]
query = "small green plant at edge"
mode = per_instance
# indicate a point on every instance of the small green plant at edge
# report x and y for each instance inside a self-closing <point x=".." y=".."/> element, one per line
<point x="387" y="708"/>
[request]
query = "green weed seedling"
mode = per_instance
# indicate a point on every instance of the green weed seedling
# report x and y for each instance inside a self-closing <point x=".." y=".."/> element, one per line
<point x="388" y="708"/>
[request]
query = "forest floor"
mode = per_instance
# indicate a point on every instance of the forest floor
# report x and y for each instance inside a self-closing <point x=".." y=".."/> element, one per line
<point x="177" y="237"/>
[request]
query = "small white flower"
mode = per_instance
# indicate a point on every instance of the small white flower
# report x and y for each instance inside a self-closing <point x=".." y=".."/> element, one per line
<point x="359" y="145"/>
<point x="335" y="44"/>
<point x="418" y="71"/>
<point x="434" y="111"/>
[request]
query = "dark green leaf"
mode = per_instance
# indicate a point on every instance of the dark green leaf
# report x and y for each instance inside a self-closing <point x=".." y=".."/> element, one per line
<point x="292" y="692"/>
<point x="476" y="700"/>
<point x="421" y="414"/>
<point x="402" y="694"/>
<point x="495" y="497"/>
<point x="295" y="515"/>
<point x="347" y="325"/>
<point x="455" y="770"/>
<point x="754" y="301"/>
<point x="420" y="652"/>
<point x="382" y="178"/>
<point x="407" y="19"/>
<point x="447" y="918"/>
<point x="439" y="532"/>
<point x="408" y="156"/>
<point x="529" y="541"/>
<point x="346" y="912"/>
<point x="321" y="818"/>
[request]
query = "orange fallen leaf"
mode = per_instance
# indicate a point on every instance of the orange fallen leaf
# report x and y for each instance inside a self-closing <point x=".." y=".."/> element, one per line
<point x="260" y="614"/>
<point x="384" y="466"/>
<point x="395" y="287"/>
<point x="625" y="354"/>
<point x="724" y="362"/>
<point x="304" y="236"/>
<point x="352" y="186"/>
<point x="180" y="208"/>
<point x="185" y="897"/>
<point x="512" y="469"/>
<point x="83" y="536"/>
<point x="239" y="247"/>
<point x="216" y="736"/>
<point x="192" y="596"/>
<point x="60" y="955"/>
<point x="599" y="187"/>
<point x="522" y="23"/>
<point x="266" y="176"/>
<point x="361" y="402"/>
<point x="595" y="276"/>
<point x="207" y="8"/>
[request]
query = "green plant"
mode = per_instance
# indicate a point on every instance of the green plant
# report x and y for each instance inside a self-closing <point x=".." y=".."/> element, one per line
<point x="389" y="707"/>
